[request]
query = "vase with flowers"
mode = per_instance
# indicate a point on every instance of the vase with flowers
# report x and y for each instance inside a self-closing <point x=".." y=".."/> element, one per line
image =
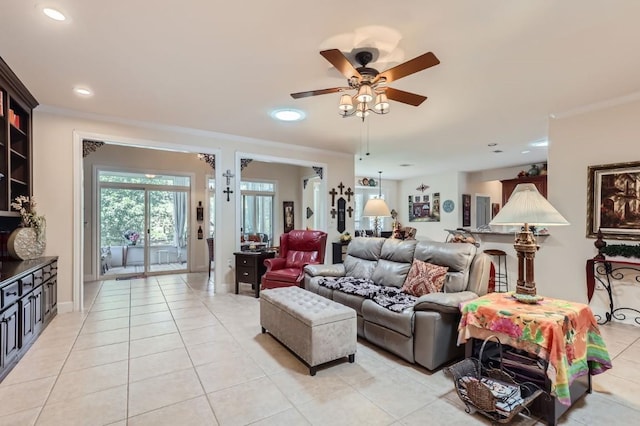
<point x="28" y="241"/>
<point x="131" y="237"/>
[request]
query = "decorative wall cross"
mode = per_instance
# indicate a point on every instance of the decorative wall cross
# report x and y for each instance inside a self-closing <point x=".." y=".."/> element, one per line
<point x="333" y="194"/>
<point x="228" y="192"/>
<point x="228" y="175"/>
<point x="349" y="193"/>
<point x="422" y="187"/>
<point x="333" y="212"/>
<point x="350" y="210"/>
<point x="341" y="186"/>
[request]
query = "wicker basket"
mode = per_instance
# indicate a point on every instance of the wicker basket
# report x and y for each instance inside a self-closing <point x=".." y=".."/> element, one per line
<point x="468" y="377"/>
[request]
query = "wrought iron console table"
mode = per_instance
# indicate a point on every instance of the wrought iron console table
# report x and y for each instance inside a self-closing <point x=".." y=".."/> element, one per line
<point x="606" y="271"/>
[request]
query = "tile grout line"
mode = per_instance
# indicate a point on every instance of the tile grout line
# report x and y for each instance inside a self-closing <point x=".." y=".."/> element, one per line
<point x="84" y="319"/>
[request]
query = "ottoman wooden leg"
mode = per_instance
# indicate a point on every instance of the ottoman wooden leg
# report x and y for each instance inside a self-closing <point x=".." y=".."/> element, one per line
<point x="352" y="358"/>
<point x="263" y="330"/>
<point x="312" y="371"/>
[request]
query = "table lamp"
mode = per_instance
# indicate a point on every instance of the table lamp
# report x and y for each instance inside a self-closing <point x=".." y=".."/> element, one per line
<point x="376" y="208"/>
<point x="527" y="206"/>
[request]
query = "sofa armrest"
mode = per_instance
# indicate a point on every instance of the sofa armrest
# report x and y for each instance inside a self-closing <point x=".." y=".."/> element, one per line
<point x="336" y="270"/>
<point x="443" y="302"/>
<point x="275" y="263"/>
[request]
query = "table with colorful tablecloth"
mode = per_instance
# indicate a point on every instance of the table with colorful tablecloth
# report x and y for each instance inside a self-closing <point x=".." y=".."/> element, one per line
<point x="563" y="333"/>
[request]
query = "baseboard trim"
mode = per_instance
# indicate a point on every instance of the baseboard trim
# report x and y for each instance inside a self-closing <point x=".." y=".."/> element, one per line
<point x="65" y="307"/>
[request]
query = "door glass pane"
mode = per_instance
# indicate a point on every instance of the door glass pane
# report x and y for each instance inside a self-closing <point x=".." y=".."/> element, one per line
<point x="122" y="235"/>
<point x="168" y="226"/>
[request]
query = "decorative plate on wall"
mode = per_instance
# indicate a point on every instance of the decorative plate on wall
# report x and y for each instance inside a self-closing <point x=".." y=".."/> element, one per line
<point x="448" y="206"/>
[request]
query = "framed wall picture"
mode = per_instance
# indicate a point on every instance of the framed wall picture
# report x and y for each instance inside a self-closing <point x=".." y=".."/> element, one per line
<point x="424" y="209"/>
<point x="289" y="218"/>
<point x="466" y="209"/>
<point x="495" y="209"/>
<point x="613" y="201"/>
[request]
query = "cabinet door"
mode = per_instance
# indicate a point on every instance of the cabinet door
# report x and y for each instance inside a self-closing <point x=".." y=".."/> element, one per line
<point x="26" y="319"/>
<point x="52" y="285"/>
<point x="9" y="335"/>
<point x="38" y="309"/>
<point x="509" y="185"/>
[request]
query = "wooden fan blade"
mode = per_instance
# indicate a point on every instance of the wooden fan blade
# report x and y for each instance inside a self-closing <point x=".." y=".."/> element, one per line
<point x="342" y="64"/>
<point x="420" y="63"/>
<point x="316" y="92"/>
<point x="404" y="97"/>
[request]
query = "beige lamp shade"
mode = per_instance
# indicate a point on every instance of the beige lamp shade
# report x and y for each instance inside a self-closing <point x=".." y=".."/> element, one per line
<point x="365" y="94"/>
<point x="527" y="205"/>
<point x="376" y="207"/>
<point x="346" y="103"/>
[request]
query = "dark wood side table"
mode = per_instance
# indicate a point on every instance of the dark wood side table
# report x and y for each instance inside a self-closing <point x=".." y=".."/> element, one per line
<point x="250" y="268"/>
<point x="339" y="251"/>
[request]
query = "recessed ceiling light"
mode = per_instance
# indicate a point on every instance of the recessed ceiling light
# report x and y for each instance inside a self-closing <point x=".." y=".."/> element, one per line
<point x="492" y="144"/>
<point x="526" y="151"/>
<point x="83" y="91"/>
<point x="54" y="14"/>
<point x="497" y="151"/>
<point x="540" y="143"/>
<point x="406" y="165"/>
<point x="288" y="114"/>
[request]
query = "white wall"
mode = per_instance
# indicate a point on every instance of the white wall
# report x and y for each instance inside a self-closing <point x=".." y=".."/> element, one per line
<point x="53" y="179"/>
<point x="599" y="137"/>
<point x="448" y="185"/>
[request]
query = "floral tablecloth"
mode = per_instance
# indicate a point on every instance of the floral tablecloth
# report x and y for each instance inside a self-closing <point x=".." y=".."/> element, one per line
<point x="564" y="333"/>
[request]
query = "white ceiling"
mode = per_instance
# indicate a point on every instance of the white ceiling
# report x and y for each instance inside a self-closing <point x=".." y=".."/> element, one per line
<point x="223" y="66"/>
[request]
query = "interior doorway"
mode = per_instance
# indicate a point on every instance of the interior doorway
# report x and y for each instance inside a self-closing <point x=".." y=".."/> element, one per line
<point x="483" y="211"/>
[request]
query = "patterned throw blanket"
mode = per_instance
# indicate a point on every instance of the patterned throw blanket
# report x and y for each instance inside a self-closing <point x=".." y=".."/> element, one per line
<point x="391" y="298"/>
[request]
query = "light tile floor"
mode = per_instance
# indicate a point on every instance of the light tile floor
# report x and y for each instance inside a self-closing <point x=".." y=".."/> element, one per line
<point x="169" y="351"/>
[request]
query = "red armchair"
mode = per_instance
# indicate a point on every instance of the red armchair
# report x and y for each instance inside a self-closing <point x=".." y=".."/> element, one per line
<point x="297" y="249"/>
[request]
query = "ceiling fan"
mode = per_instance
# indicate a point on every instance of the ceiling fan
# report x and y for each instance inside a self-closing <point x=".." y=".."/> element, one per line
<point x="371" y="85"/>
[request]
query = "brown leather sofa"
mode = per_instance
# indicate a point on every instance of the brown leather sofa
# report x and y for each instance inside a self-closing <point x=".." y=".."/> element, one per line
<point x="425" y="333"/>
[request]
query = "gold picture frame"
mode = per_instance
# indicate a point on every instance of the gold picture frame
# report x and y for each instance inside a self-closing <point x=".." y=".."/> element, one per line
<point x="613" y="201"/>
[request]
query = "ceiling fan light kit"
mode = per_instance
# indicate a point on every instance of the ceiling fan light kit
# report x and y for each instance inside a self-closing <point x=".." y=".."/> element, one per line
<point x="370" y="84"/>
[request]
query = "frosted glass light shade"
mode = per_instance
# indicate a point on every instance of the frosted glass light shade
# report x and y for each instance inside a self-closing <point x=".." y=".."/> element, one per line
<point x="361" y="110"/>
<point x="365" y="94"/>
<point x="376" y="207"/>
<point x="346" y="103"/>
<point x="382" y="104"/>
<point x="527" y="205"/>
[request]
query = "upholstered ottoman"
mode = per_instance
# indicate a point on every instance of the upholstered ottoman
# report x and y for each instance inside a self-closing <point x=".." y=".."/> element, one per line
<point x="316" y="329"/>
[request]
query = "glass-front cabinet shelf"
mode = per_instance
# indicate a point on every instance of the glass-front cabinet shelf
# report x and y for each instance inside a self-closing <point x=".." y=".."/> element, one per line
<point x="16" y="106"/>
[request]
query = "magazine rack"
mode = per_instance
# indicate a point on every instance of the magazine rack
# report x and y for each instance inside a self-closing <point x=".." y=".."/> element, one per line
<point x="492" y="391"/>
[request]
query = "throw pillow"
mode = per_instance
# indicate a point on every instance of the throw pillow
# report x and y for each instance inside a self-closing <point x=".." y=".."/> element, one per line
<point x="423" y="278"/>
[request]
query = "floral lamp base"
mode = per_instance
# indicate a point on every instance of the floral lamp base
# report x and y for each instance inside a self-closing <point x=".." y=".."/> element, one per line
<point x="23" y="244"/>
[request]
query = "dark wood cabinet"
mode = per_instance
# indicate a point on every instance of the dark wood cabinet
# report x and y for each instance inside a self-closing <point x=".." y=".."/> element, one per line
<point x="339" y="251"/>
<point x="9" y="336"/>
<point x="250" y="268"/>
<point x="509" y="185"/>
<point x="28" y="302"/>
<point x="16" y="106"/>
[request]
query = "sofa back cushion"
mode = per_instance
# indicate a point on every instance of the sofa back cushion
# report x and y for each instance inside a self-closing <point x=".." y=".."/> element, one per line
<point x="362" y="257"/>
<point x="457" y="257"/>
<point x="394" y="263"/>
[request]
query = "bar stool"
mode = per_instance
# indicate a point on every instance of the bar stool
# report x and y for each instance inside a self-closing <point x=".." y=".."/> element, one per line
<point x="501" y="280"/>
